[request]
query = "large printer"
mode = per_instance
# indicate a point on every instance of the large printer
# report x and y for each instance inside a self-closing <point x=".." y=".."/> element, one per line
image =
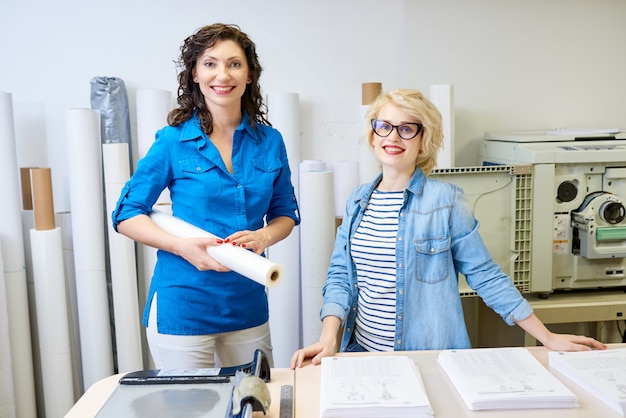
<point x="578" y="228"/>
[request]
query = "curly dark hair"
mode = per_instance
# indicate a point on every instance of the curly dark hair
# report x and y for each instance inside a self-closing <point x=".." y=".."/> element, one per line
<point x="191" y="98"/>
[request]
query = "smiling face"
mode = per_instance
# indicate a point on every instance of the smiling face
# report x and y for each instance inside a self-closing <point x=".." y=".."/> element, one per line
<point x="393" y="152"/>
<point x="222" y="73"/>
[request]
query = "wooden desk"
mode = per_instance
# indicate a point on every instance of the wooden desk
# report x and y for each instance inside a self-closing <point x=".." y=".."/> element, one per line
<point x="92" y="400"/>
<point x="578" y="306"/>
<point x="444" y="398"/>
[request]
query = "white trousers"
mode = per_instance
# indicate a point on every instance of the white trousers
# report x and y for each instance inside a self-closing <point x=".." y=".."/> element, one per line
<point x="206" y="351"/>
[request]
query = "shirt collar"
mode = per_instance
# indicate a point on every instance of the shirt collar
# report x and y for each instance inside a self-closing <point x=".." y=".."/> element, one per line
<point x="191" y="129"/>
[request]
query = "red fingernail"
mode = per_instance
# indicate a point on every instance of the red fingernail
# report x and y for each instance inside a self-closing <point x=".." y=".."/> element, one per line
<point x="234" y="243"/>
<point x="219" y="241"/>
<point x="227" y="239"/>
<point x="243" y="245"/>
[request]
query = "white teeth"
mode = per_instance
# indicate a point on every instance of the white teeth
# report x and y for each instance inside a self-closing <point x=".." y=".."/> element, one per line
<point x="221" y="88"/>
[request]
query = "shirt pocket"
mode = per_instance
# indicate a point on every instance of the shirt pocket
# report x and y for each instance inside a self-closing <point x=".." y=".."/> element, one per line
<point x="265" y="172"/>
<point x="432" y="256"/>
<point x="201" y="175"/>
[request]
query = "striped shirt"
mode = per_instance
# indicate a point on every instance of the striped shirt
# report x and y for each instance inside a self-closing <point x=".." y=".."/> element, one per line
<point x="373" y="250"/>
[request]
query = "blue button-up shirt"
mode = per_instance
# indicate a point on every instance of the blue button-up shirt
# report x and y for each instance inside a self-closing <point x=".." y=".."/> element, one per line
<point x="204" y="193"/>
<point x="437" y="239"/>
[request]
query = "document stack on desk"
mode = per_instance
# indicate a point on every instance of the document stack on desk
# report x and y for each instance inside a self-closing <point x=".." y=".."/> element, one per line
<point x="378" y="386"/>
<point x="602" y="373"/>
<point x="504" y="378"/>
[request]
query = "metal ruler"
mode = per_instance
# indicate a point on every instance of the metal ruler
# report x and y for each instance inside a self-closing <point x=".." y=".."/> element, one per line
<point x="286" y="401"/>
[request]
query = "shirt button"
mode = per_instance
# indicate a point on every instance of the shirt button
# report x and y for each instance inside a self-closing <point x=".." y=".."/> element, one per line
<point x="399" y="238"/>
<point x="432" y="250"/>
<point x="399" y="316"/>
<point x="400" y="291"/>
<point x="198" y="168"/>
<point x="239" y="186"/>
<point x="398" y="342"/>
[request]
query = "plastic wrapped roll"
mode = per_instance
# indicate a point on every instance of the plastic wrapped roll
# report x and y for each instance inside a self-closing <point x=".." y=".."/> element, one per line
<point x="240" y="260"/>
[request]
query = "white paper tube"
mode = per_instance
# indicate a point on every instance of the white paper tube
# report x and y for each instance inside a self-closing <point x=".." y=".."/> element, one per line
<point x="52" y="319"/>
<point x="283" y="111"/>
<point x="240" y="260"/>
<point x="284" y="300"/>
<point x="153" y="105"/>
<point x="64" y="221"/>
<point x="442" y="96"/>
<point x="7" y="395"/>
<point x="87" y="207"/>
<point x="122" y="264"/>
<point x="369" y="167"/>
<point x="12" y="240"/>
<point x="345" y="178"/>
<point x="317" y="237"/>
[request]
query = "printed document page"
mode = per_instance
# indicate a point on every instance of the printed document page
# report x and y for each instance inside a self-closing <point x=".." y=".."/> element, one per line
<point x="601" y="372"/>
<point x="389" y="386"/>
<point x="504" y="378"/>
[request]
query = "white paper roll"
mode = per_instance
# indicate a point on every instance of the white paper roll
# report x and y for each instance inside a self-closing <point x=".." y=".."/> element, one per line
<point x="317" y="236"/>
<point x="240" y="260"/>
<point x="122" y="264"/>
<point x="12" y="241"/>
<point x="283" y="111"/>
<point x="153" y="105"/>
<point x="7" y="394"/>
<point x="87" y="207"/>
<point x="52" y="319"/>
<point x="442" y="96"/>
<point x="64" y="221"/>
<point x="284" y="300"/>
<point x="345" y="178"/>
<point x="369" y="167"/>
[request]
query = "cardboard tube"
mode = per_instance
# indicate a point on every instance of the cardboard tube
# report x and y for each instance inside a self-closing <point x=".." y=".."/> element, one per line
<point x="42" y="199"/>
<point x="370" y="91"/>
<point x="27" y="192"/>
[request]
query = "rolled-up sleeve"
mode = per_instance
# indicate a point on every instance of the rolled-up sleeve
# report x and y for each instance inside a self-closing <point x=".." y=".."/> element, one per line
<point x="143" y="189"/>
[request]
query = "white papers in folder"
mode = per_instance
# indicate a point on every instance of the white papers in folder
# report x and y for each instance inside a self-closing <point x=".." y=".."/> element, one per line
<point x="504" y="378"/>
<point x="372" y="386"/>
<point x="602" y="373"/>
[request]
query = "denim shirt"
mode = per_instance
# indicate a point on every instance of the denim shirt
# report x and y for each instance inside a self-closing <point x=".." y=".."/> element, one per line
<point x="204" y="193"/>
<point x="437" y="239"/>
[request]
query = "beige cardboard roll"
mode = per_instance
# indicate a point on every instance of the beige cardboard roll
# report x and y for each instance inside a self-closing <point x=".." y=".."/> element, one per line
<point x="370" y="91"/>
<point x="42" y="199"/>
<point x="244" y="262"/>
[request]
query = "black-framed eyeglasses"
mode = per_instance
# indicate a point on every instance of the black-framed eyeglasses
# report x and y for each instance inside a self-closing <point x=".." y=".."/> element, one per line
<point x="405" y="131"/>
